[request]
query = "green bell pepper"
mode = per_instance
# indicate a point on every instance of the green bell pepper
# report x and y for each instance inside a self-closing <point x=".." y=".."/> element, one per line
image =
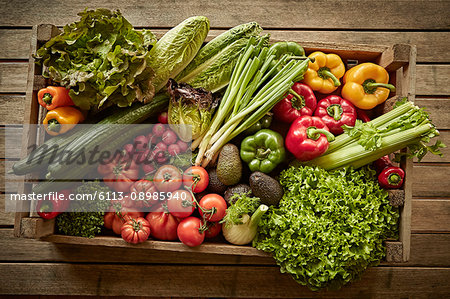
<point x="263" y="123"/>
<point x="263" y="151"/>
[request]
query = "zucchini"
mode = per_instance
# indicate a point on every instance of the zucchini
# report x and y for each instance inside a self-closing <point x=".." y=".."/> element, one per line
<point x="40" y="157"/>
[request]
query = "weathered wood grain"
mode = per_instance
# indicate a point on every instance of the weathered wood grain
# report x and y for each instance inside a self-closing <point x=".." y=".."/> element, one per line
<point x="15" y="43"/>
<point x="342" y="14"/>
<point x="433" y="80"/>
<point x="431" y="215"/>
<point x="222" y="281"/>
<point x="11" y="109"/>
<point x="438" y="109"/>
<point x="431" y="46"/>
<point x="5" y="218"/>
<point x="426" y="250"/>
<point x="431" y="180"/>
<point x="13" y="76"/>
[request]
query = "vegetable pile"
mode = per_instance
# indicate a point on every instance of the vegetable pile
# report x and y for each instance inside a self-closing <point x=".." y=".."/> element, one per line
<point x="329" y="226"/>
<point x="283" y="146"/>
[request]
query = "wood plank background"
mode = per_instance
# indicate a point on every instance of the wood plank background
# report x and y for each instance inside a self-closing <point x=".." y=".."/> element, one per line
<point x="30" y="267"/>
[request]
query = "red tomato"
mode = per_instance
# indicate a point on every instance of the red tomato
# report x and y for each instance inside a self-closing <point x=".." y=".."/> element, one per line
<point x="119" y="174"/>
<point x="145" y="194"/>
<point x="215" y="207"/>
<point x="163" y="225"/>
<point x="181" y="204"/>
<point x="167" y="178"/>
<point x="114" y="219"/>
<point x="190" y="232"/>
<point x="214" y="228"/>
<point x="135" y="230"/>
<point x="197" y="178"/>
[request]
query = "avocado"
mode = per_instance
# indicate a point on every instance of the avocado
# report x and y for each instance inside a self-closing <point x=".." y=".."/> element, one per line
<point x="229" y="165"/>
<point x="215" y="185"/>
<point x="238" y="189"/>
<point x="266" y="188"/>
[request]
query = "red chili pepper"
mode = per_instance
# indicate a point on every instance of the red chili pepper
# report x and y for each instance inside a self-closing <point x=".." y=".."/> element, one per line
<point x="382" y="163"/>
<point x="336" y="112"/>
<point x="300" y="101"/>
<point x="391" y="178"/>
<point x="362" y="115"/>
<point x="308" y="138"/>
<point x="49" y="209"/>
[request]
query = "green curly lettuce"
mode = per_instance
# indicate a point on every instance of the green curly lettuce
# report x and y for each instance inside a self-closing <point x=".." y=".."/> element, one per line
<point x="102" y="59"/>
<point x="329" y="226"/>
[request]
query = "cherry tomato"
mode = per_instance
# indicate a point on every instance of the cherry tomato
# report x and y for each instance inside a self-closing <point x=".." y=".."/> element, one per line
<point x="214" y="229"/>
<point x="135" y="230"/>
<point x="163" y="225"/>
<point x="181" y="204"/>
<point x="197" y="178"/>
<point x="189" y="232"/>
<point x="216" y="206"/>
<point x="167" y="178"/>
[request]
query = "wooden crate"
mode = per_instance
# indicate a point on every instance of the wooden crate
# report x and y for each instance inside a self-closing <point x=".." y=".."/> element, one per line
<point x="399" y="60"/>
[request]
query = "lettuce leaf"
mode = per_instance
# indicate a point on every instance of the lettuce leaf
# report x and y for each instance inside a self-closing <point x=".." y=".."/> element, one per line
<point x="329" y="226"/>
<point x="102" y="59"/>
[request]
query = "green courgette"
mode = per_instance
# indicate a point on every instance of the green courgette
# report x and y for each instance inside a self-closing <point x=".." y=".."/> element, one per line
<point x="42" y="155"/>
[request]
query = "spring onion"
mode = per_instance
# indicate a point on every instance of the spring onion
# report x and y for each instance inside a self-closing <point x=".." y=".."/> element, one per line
<point x="256" y="85"/>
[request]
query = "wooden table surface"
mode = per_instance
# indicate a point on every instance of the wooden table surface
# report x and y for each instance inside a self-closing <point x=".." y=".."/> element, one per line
<point x="35" y="267"/>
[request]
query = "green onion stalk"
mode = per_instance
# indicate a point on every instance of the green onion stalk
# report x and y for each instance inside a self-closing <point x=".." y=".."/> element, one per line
<point x="255" y="87"/>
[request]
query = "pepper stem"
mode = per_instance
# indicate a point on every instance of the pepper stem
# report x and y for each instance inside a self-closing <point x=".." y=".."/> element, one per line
<point x="370" y="85"/>
<point x="47" y="98"/>
<point x="335" y="111"/>
<point x="262" y="153"/>
<point x="54" y="125"/>
<point x="394" y="179"/>
<point x="314" y="134"/>
<point x="298" y="101"/>
<point x="325" y="73"/>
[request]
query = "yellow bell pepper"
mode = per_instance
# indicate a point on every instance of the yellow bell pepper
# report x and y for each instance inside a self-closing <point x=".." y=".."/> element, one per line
<point x="324" y="73"/>
<point x="62" y="119"/>
<point x="366" y="85"/>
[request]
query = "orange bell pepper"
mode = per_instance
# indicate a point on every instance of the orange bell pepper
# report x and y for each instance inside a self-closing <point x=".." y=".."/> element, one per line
<point x="62" y="119"/>
<point x="324" y="73"/>
<point x="53" y="97"/>
<point x="366" y="85"/>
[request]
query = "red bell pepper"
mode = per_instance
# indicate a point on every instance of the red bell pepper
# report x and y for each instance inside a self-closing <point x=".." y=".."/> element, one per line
<point x="308" y="138"/>
<point x="362" y="115"/>
<point x="120" y="173"/>
<point x="336" y="112"/>
<point x="381" y="164"/>
<point x="300" y="101"/>
<point x="391" y="178"/>
<point x="49" y="209"/>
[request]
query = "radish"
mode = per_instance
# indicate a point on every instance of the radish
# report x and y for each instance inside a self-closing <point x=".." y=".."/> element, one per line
<point x="169" y="137"/>
<point x="158" y="129"/>
<point x="163" y="117"/>
<point x="173" y="150"/>
<point x="183" y="146"/>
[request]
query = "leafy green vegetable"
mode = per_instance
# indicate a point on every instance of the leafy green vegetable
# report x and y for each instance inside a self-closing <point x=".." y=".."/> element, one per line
<point x="102" y="59"/>
<point x="80" y="222"/>
<point x="190" y="110"/>
<point x="243" y="204"/>
<point x="406" y="125"/>
<point x="175" y="50"/>
<point x="212" y="66"/>
<point x="329" y="226"/>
